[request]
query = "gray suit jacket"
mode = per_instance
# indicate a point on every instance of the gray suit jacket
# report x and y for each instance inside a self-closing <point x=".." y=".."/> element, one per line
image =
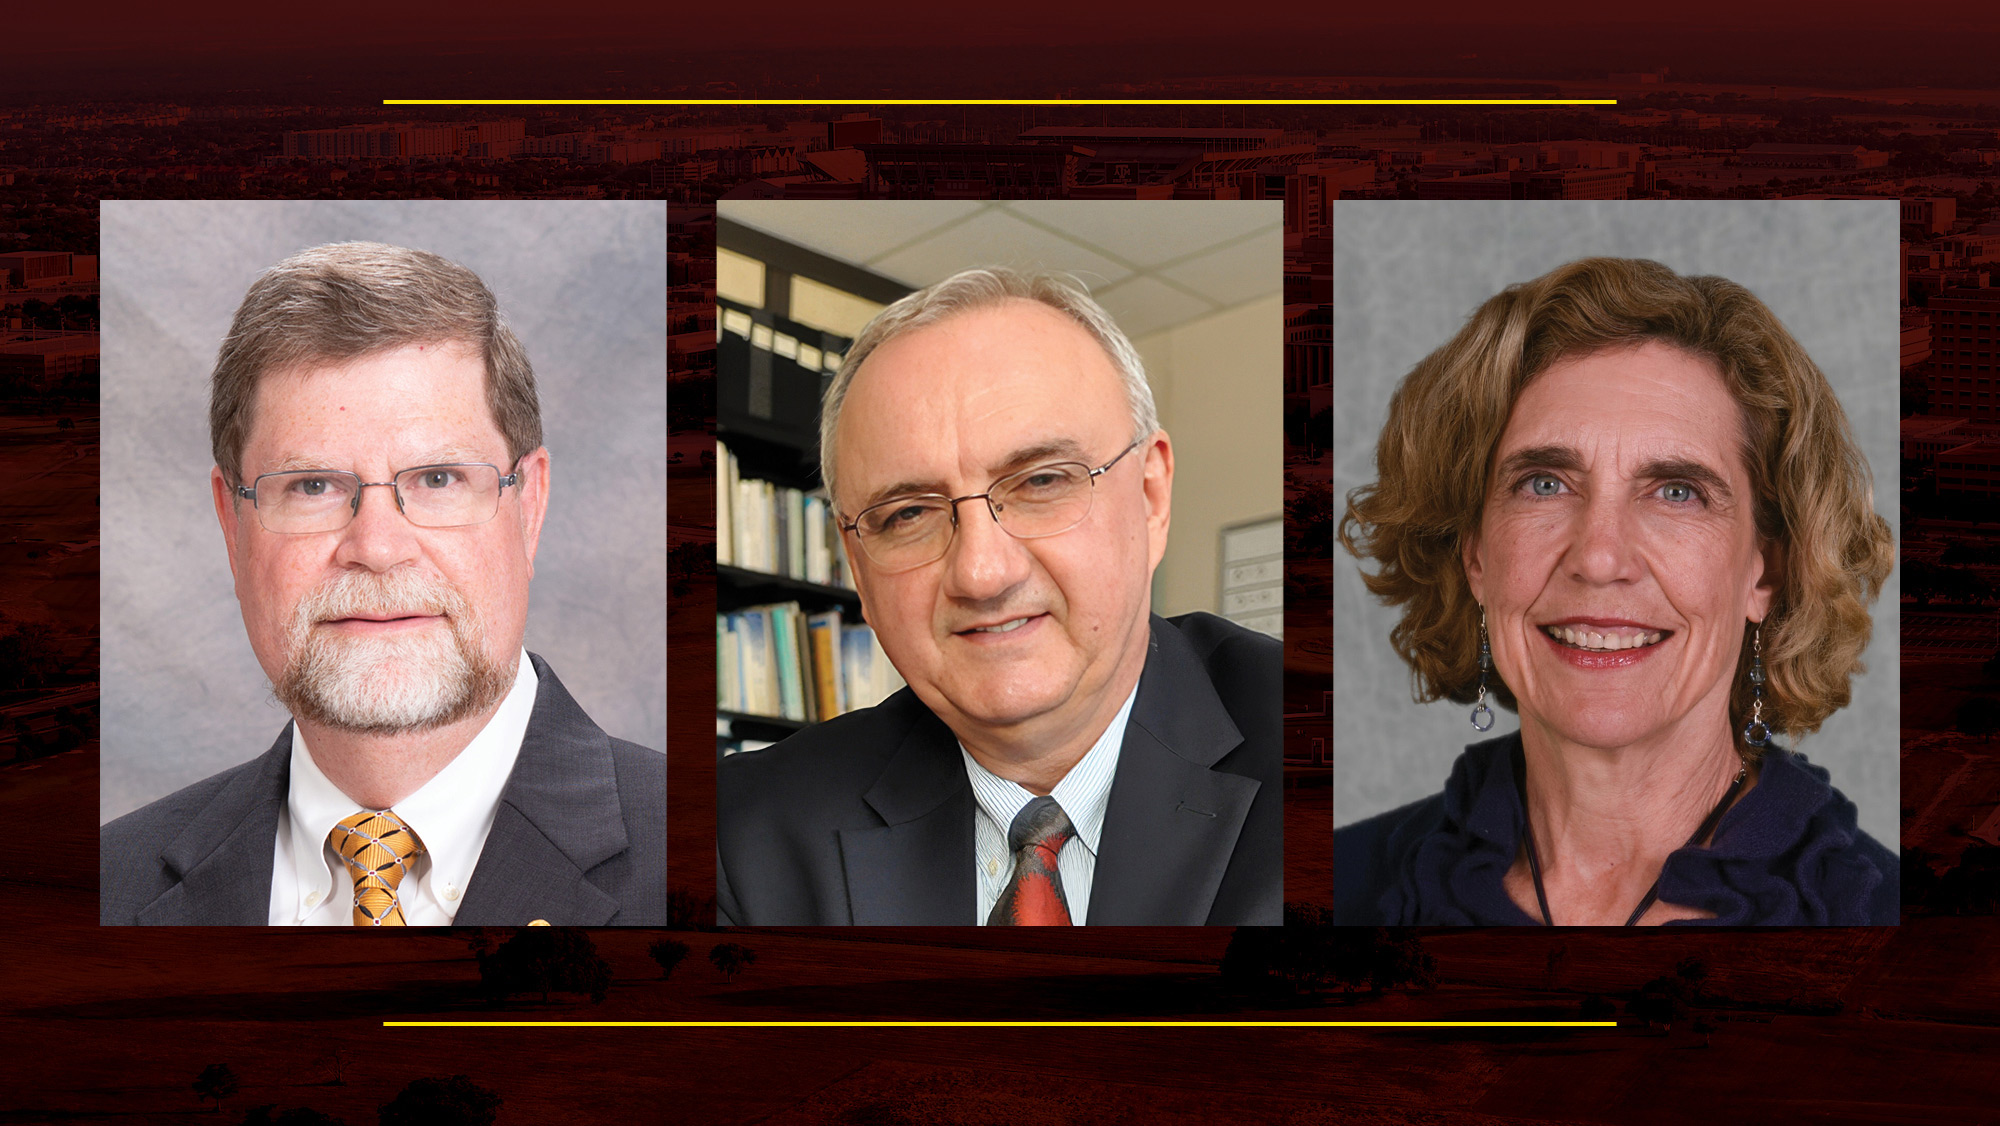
<point x="580" y="838"/>
<point x="868" y="819"/>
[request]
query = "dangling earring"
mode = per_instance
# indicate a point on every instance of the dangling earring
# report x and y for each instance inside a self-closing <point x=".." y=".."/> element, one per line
<point x="1757" y="733"/>
<point x="1482" y="716"/>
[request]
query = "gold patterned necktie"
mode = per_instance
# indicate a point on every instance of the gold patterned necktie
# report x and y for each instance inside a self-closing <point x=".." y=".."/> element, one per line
<point x="379" y="850"/>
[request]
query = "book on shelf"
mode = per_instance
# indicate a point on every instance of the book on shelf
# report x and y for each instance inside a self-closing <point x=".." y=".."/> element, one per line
<point x="829" y="687"/>
<point x="763" y="526"/>
<point x="779" y="660"/>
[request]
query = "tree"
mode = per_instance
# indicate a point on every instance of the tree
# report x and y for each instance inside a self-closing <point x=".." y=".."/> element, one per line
<point x="731" y="959"/>
<point x="1292" y="957"/>
<point x="1309" y="519"/>
<point x="1972" y="887"/>
<point x="216" y="1081"/>
<point x="688" y="910"/>
<point x="1704" y="1028"/>
<point x="1980" y="716"/>
<point x="1666" y="998"/>
<point x="481" y="940"/>
<point x="669" y="954"/>
<point x="1382" y="958"/>
<point x="29" y="654"/>
<point x="1958" y="553"/>
<point x="548" y="960"/>
<point x="1920" y="879"/>
<point x="1693" y="970"/>
<point x="685" y="563"/>
<point x="1553" y="966"/>
<point x="1658" y="1003"/>
<point x="335" y="1062"/>
<point x="1309" y="953"/>
<point x="456" y="1101"/>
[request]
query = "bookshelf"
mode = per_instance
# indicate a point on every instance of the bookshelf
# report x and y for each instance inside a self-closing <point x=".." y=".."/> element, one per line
<point x="792" y="647"/>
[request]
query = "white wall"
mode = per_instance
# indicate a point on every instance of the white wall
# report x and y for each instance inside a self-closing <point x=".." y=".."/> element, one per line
<point x="1219" y="384"/>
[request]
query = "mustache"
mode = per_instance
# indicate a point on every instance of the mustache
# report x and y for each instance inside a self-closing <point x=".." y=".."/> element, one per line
<point x="395" y="685"/>
<point x="398" y="593"/>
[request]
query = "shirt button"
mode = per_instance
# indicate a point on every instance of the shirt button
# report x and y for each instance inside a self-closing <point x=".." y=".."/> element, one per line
<point x="993" y="867"/>
<point x="451" y="893"/>
<point x="312" y="899"/>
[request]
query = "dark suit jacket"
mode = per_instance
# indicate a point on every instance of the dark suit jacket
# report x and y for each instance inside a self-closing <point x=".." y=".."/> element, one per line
<point x="580" y="838"/>
<point x="868" y="819"/>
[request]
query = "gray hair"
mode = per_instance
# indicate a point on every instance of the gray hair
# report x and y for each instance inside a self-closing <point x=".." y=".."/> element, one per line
<point x="981" y="288"/>
<point x="347" y="300"/>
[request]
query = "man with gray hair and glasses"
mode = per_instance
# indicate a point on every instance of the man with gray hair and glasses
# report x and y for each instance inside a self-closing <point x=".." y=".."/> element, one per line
<point x="380" y="480"/>
<point x="1061" y="756"/>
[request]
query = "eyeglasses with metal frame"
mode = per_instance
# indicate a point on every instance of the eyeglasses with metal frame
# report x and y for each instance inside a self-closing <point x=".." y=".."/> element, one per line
<point x="905" y="533"/>
<point x="308" y="501"/>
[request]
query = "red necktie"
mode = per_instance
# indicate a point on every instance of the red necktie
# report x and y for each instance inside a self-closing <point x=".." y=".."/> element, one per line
<point x="1034" y="896"/>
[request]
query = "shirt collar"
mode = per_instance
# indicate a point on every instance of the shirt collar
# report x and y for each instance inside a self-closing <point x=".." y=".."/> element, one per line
<point x="452" y="813"/>
<point x="1084" y="793"/>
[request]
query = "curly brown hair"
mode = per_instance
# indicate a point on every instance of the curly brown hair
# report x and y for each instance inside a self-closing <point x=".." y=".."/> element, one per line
<point x="1813" y="489"/>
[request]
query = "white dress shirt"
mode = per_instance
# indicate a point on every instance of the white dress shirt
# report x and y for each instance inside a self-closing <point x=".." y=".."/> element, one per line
<point x="451" y="814"/>
<point x="1083" y="795"/>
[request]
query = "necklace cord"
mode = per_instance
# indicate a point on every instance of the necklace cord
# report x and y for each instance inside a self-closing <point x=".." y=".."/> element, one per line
<point x="1701" y="834"/>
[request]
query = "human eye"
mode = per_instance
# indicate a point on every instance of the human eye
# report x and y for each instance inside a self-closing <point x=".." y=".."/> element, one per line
<point x="1049" y="480"/>
<point x="1680" y="492"/>
<point x="438" y="477"/>
<point x="1541" y="485"/>
<point x="899" y="517"/>
<point x="313" y="486"/>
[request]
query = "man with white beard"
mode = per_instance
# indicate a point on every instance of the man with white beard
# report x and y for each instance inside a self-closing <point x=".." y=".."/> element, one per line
<point x="381" y="482"/>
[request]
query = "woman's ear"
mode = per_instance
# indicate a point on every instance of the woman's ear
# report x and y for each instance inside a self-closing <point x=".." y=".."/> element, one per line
<point x="1769" y="580"/>
<point x="1475" y="568"/>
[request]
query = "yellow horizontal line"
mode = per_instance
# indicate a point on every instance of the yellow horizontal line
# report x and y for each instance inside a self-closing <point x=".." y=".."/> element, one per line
<point x="999" y="1024"/>
<point x="999" y="101"/>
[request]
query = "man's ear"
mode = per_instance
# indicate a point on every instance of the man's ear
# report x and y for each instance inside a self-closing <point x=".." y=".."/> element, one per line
<point x="1159" y="487"/>
<point x="225" y="513"/>
<point x="533" y="482"/>
<point x="857" y="566"/>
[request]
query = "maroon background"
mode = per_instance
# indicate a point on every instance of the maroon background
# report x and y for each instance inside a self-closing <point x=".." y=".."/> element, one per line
<point x="1839" y="1025"/>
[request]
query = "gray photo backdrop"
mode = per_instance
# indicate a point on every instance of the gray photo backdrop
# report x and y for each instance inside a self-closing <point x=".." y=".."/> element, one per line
<point x="1406" y="278"/>
<point x="583" y="283"/>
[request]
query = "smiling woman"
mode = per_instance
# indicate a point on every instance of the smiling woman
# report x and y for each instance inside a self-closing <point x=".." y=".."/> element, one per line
<point x="1626" y="504"/>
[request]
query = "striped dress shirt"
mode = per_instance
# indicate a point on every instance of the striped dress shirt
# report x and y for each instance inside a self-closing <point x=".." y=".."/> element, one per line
<point x="1083" y="794"/>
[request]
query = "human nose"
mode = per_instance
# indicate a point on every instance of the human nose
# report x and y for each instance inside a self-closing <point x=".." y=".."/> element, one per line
<point x="379" y="537"/>
<point x="1604" y="548"/>
<point x="983" y="562"/>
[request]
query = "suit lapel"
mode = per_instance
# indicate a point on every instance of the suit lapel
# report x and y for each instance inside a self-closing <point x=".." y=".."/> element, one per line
<point x="559" y="817"/>
<point x="1172" y="822"/>
<point x="222" y="858"/>
<point x="917" y="868"/>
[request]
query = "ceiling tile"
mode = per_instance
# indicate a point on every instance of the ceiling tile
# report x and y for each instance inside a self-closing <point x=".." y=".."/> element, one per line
<point x="1145" y="305"/>
<point x="1149" y="232"/>
<point x="995" y="237"/>
<point x="1235" y="274"/>
<point x="853" y="231"/>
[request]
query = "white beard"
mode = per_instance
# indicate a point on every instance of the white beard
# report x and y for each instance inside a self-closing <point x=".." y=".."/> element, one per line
<point x="403" y="684"/>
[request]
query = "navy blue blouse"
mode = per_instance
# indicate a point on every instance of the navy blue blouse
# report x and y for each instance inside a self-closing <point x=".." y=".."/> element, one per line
<point x="1787" y="854"/>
